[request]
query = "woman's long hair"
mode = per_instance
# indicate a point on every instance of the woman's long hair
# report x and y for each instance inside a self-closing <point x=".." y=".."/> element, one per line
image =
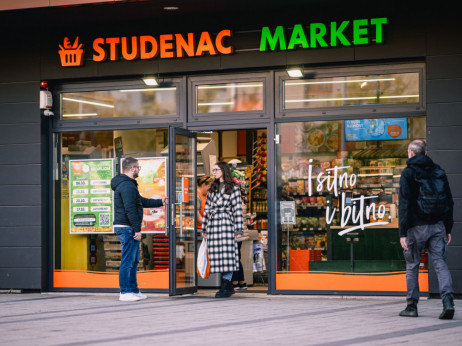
<point x="227" y="179"/>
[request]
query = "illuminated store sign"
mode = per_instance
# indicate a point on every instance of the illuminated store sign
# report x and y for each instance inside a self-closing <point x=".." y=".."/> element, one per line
<point x="317" y="35"/>
<point x="168" y="46"/>
<point x="146" y="47"/>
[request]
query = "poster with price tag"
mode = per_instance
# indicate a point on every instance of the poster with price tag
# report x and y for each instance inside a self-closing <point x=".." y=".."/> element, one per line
<point x="287" y="212"/>
<point x="152" y="183"/>
<point x="91" y="196"/>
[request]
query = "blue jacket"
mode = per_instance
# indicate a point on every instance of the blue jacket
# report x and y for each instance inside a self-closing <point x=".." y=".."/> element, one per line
<point x="408" y="193"/>
<point x="128" y="203"/>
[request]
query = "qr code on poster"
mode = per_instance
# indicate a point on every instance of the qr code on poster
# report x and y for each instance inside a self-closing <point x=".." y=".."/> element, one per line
<point x="104" y="219"/>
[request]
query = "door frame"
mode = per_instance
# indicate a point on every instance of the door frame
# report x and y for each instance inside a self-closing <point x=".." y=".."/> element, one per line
<point x="173" y="290"/>
<point x="267" y="125"/>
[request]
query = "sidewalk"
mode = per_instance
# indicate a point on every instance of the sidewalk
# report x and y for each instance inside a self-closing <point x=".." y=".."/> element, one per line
<point x="244" y="319"/>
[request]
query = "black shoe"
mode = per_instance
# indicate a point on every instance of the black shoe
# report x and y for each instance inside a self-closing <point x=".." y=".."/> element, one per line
<point x="243" y="286"/>
<point x="410" y="311"/>
<point x="448" y="309"/>
<point x="224" y="291"/>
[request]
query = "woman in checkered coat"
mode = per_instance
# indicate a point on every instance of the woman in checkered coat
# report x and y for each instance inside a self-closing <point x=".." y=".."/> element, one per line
<point x="222" y="222"/>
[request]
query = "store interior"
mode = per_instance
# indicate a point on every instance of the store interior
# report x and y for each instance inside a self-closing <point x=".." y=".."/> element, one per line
<point x="245" y="150"/>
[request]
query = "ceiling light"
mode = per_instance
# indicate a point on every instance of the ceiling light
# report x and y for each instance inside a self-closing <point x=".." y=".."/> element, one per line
<point x="88" y="102"/>
<point x="150" y="81"/>
<point x="295" y="73"/>
<point x="171" y="8"/>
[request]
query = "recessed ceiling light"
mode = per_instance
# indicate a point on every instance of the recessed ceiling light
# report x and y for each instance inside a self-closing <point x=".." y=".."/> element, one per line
<point x="171" y="8"/>
<point x="151" y="81"/>
<point x="295" y="72"/>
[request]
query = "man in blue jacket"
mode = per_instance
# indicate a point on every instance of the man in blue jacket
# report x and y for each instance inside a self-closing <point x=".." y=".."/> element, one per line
<point x="128" y="215"/>
<point x="425" y="221"/>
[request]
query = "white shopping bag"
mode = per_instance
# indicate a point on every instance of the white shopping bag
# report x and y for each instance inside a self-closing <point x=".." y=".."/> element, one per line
<point x="203" y="264"/>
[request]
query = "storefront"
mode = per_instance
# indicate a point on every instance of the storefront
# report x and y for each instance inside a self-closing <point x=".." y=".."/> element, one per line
<point x="319" y="155"/>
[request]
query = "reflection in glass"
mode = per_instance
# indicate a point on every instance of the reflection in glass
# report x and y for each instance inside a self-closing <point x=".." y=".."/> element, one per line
<point x="119" y="103"/>
<point x="185" y="231"/>
<point x="89" y="260"/>
<point x="351" y="90"/>
<point x="345" y="195"/>
<point x="231" y="97"/>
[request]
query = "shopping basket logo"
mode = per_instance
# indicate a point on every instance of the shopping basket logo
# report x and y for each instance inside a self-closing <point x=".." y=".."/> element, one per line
<point x="71" y="55"/>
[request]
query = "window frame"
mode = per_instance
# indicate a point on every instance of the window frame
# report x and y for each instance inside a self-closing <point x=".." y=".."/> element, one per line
<point x="224" y="117"/>
<point x="375" y="110"/>
<point x="60" y="124"/>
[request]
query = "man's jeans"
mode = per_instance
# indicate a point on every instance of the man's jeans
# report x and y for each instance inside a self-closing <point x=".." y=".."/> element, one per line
<point x="129" y="261"/>
<point x="431" y="237"/>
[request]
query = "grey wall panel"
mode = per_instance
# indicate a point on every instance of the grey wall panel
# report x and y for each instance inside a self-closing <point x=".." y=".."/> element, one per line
<point x="457" y="209"/>
<point x="456" y="282"/>
<point x="444" y="114"/>
<point x="20" y="174"/>
<point x="449" y="160"/>
<point x="19" y="133"/>
<point x="444" y="138"/>
<point x="443" y="35"/>
<point x="456" y="235"/>
<point x="254" y="58"/>
<point x="444" y="67"/>
<point x="20" y="257"/>
<point x="444" y="90"/>
<point x="314" y="56"/>
<point x="455" y="182"/>
<point x="20" y="236"/>
<point x="20" y="216"/>
<point x="23" y="278"/>
<point x="400" y="42"/>
<point x="14" y="113"/>
<point x="19" y="92"/>
<point x="189" y="64"/>
<point x="29" y="195"/>
<point x="20" y="154"/>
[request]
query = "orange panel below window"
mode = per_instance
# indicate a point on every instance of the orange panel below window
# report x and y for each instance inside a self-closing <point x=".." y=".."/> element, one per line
<point x="85" y="279"/>
<point x="329" y="281"/>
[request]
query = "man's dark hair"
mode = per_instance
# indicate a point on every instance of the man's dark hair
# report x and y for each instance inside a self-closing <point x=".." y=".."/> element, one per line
<point x="128" y="163"/>
<point x="418" y="147"/>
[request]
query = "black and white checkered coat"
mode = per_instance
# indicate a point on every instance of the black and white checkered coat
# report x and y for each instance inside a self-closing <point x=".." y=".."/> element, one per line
<point x="223" y="219"/>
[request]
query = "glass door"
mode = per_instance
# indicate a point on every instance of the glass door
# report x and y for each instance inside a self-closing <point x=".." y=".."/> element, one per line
<point x="182" y="195"/>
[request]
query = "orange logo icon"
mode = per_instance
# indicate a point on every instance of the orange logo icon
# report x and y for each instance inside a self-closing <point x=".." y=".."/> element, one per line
<point x="71" y="55"/>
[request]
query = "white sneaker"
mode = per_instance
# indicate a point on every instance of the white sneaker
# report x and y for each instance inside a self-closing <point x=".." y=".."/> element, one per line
<point x="140" y="295"/>
<point x="128" y="297"/>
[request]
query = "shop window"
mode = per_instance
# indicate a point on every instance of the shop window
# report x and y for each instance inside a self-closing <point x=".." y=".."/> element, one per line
<point x="86" y="251"/>
<point x="120" y="103"/>
<point x="352" y="90"/>
<point x="337" y="190"/>
<point x="229" y="97"/>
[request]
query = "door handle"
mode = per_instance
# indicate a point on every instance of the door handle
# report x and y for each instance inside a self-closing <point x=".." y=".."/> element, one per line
<point x="173" y="215"/>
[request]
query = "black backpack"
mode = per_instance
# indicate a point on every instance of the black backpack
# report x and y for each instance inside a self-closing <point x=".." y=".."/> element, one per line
<point x="432" y="198"/>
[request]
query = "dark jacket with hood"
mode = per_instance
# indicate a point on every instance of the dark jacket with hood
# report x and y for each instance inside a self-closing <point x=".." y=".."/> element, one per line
<point x="408" y="193"/>
<point x="128" y="203"/>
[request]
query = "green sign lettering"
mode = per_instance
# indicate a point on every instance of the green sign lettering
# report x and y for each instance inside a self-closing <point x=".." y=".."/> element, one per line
<point x="333" y="34"/>
<point x="272" y="41"/>
<point x="317" y="33"/>
<point x="336" y="33"/>
<point x="298" y="38"/>
<point x="359" y="31"/>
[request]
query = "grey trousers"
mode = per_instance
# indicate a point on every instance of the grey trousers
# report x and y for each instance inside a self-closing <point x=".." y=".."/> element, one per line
<point x="433" y="238"/>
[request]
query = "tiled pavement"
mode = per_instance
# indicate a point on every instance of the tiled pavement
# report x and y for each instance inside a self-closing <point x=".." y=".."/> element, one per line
<point x="244" y="319"/>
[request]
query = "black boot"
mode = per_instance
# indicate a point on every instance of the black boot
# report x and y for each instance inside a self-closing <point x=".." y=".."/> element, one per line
<point x="410" y="311"/>
<point x="231" y="287"/>
<point x="224" y="291"/>
<point x="448" y="309"/>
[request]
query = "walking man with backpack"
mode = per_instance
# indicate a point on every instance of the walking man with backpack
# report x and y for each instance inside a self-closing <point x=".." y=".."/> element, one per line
<point x="425" y="221"/>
